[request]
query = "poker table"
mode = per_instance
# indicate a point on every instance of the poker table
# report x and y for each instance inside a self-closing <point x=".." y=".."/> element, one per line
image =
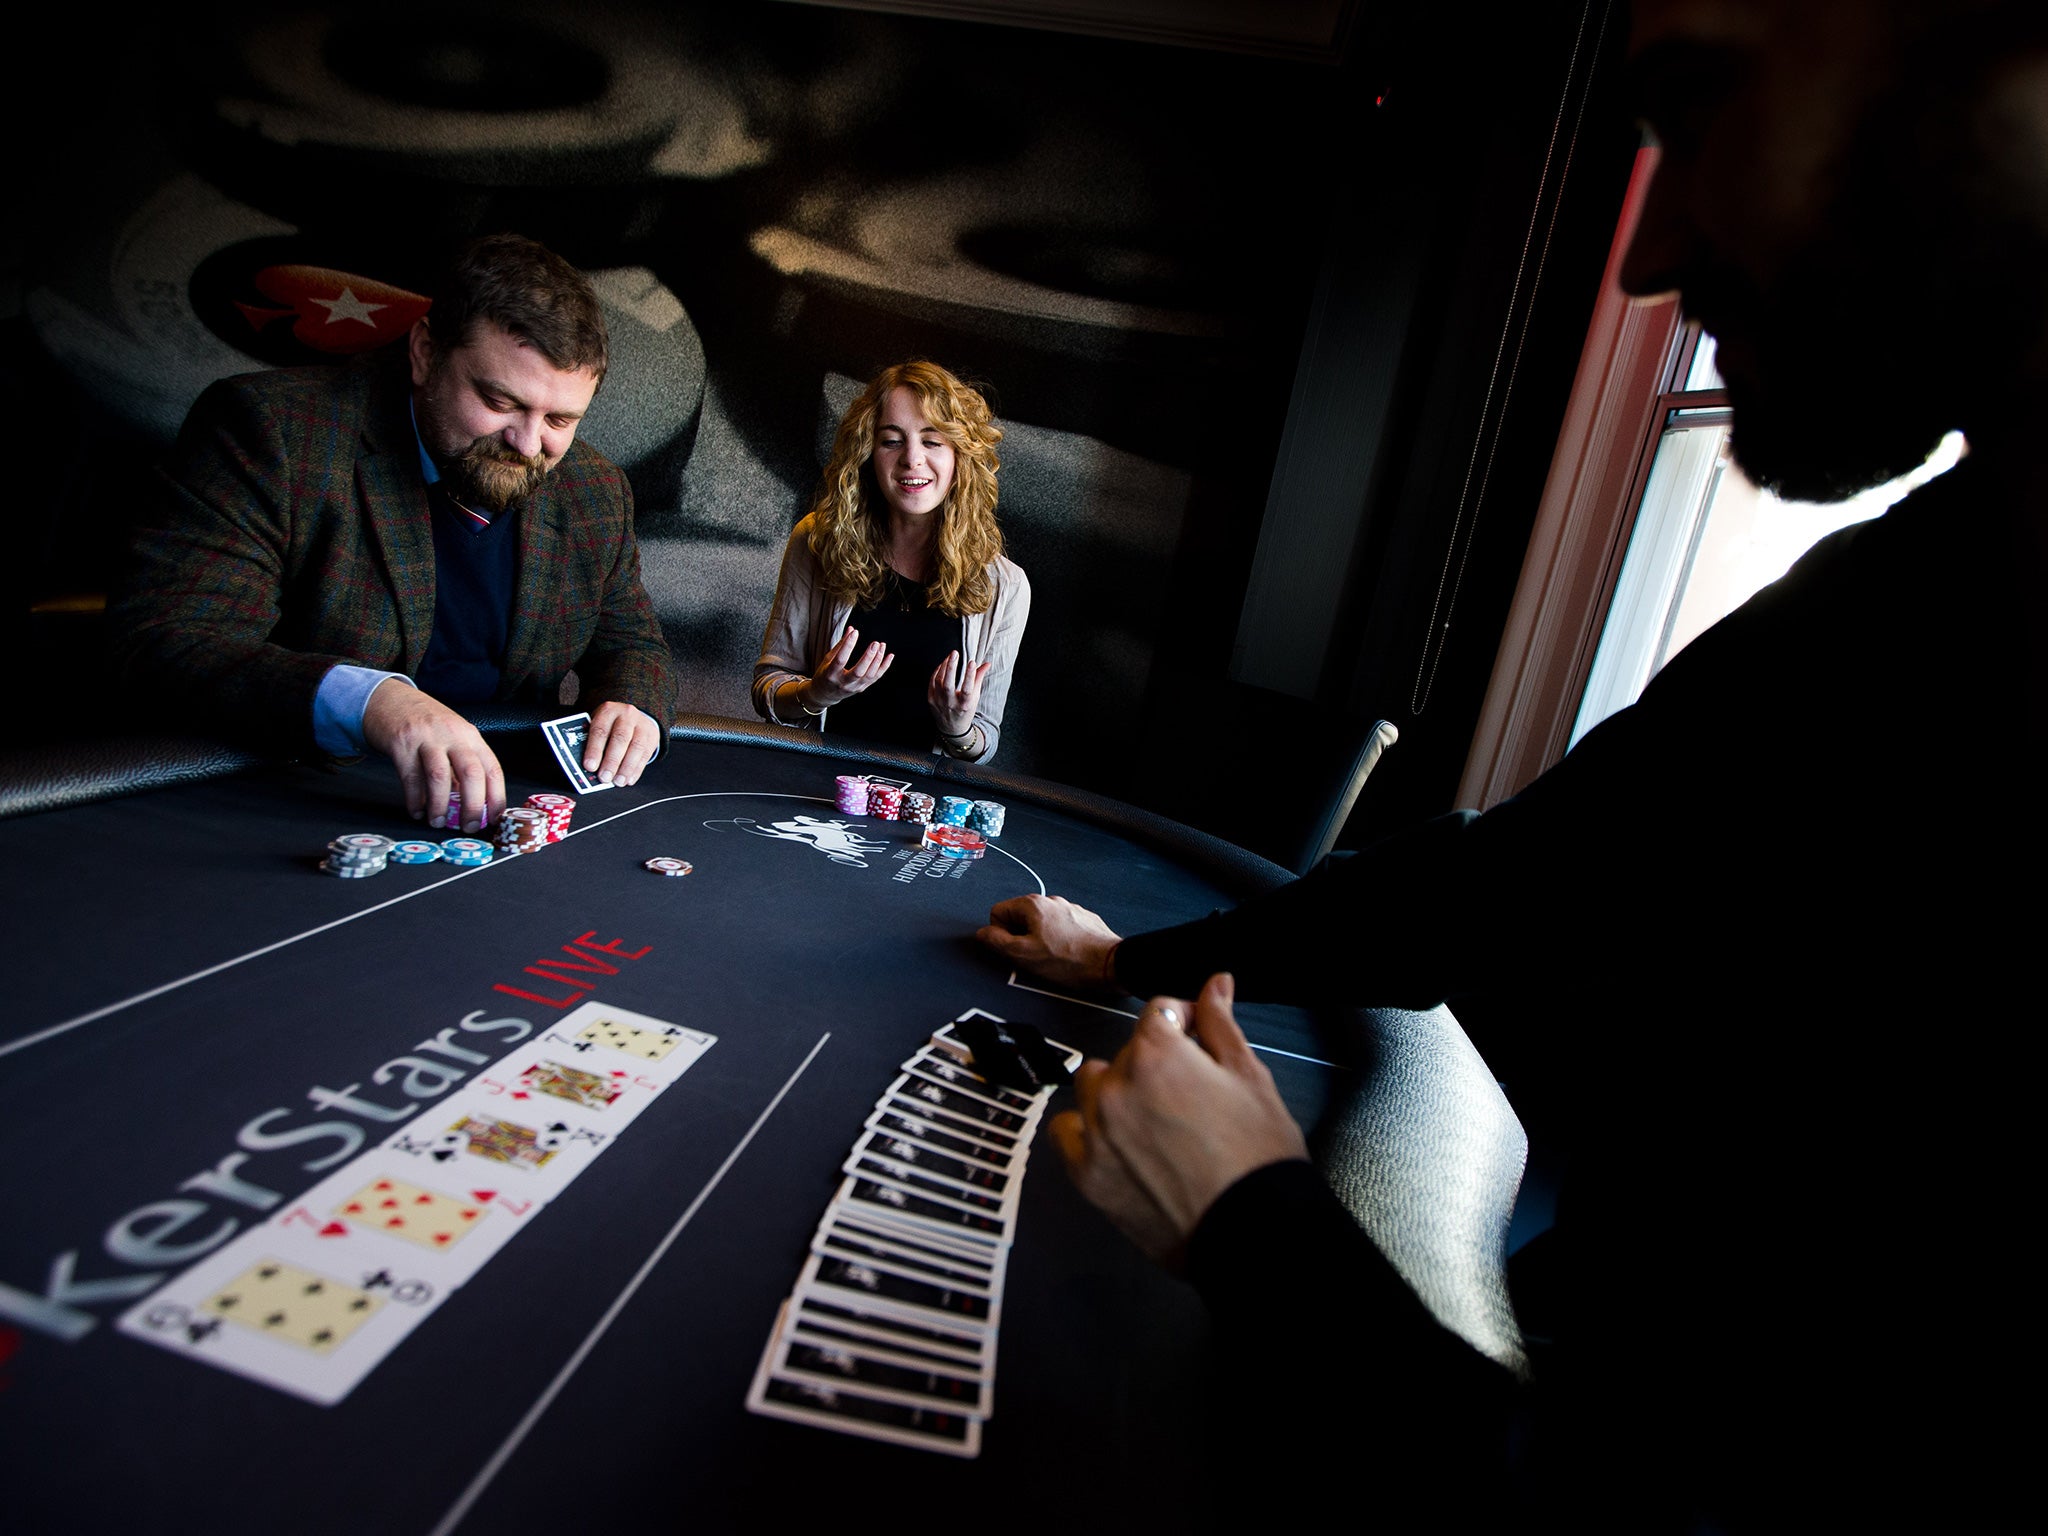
<point x="191" y="998"/>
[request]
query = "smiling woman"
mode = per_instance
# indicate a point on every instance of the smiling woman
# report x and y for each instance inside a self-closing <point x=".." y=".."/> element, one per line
<point x="901" y="545"/>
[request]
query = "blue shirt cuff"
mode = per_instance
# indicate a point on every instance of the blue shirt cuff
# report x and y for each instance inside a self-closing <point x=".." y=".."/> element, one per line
<point x="338" y="706"/>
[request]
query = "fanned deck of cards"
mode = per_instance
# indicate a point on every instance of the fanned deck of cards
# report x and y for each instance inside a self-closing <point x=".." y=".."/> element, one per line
<point x="312" y="1299"/>
<point x="891" y="1331"/>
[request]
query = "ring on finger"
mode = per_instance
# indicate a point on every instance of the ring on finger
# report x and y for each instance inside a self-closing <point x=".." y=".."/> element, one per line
<point x="1165" y="1012"/>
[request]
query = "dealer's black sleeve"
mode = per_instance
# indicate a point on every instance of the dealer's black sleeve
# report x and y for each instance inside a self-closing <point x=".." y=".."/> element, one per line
<point x="1332" y="1365"/>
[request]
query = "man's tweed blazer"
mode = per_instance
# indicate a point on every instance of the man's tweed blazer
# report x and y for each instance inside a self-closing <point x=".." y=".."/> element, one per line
<point x="289" y="531"/>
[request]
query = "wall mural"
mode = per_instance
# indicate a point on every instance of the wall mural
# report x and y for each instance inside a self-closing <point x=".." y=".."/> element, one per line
<point x="774" y="200"/>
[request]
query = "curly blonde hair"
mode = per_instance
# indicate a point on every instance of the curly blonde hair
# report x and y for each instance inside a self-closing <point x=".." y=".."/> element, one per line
<point x="849" y="527"/>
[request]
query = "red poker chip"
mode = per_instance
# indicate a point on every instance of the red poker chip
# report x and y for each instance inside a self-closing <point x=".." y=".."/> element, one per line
<point x="665" y="866"/>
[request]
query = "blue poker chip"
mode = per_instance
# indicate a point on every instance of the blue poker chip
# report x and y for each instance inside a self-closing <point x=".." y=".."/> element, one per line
<point x="415" y="852"/>
<point x="467" y="851"/>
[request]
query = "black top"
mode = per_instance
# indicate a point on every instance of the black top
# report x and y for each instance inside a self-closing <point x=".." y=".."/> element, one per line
<point x="474" y="572"/>
<point x="895" y="710"/>
<point x="1755" y="958"/>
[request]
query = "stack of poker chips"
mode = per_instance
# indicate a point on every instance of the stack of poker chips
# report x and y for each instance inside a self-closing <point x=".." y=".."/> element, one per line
<point x="918" y="807"/>
<point x="556" y="809"/>
<point x="522" y="829"/>
<point x="890" y="1333"/>
<point x="852" y="796"/>
<point x="953" y="810"/>
<point x="415" y="851"/>
<point x="466" y="852"/>
<point x="357" y="855"/>
<point x="885" y="802"/>
<point x="986" y="817"/>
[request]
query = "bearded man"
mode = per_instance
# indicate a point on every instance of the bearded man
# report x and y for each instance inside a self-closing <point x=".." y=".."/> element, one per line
<point x="337" y="555"/>
<point x="1758" y="953"/>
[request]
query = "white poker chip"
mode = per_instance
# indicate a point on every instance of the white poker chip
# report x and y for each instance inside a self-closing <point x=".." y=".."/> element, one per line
<point x="668" y="866"/>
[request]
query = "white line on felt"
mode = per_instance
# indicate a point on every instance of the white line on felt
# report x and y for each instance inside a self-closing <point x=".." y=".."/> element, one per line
<point x="1125" y="1013"/>
<point x="533" y="1415"/>
<point x="256" y="954"/>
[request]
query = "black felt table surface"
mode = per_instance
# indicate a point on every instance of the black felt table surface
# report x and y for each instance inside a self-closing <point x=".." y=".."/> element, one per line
<point x="180" y="969"/>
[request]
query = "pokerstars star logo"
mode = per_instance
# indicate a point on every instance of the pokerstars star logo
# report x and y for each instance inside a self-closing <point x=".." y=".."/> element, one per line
<point x="332" y="311"/>
<point x="295" y="299"/>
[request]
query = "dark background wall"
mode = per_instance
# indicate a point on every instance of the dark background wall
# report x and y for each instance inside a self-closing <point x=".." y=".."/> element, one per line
<point x="1281" y="343"/>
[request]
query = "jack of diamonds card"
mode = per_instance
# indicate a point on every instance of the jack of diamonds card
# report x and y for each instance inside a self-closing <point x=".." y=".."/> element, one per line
<point x="541" y="1077"/>
<point x="302" y="1330"/>
<point x="596" y="1033"/>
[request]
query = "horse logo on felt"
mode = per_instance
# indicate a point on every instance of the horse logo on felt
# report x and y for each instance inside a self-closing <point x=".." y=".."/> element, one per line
<point x="837" y="841"/>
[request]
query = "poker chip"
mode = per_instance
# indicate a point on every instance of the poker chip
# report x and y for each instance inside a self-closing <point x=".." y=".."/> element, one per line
<point x="885" y="801"/>
<point x="521" y="829"/>
<point x="918" y="807"/>
<point x="413" y="851"/>
<point x="953" y="811"/>
<point x="354" y="855"/>
<point x="955" y="842"/>
<point x="556" y="810"/>
<point x="467" y="852"/>
<point x="986" y="817"/>
<point x="666" y="866"/>
<point x="851" y="794"/>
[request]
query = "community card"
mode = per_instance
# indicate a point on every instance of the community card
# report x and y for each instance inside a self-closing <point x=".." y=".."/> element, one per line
<point x="1000" y="1152"/>
<point x="302" y="1330"/>
<point x="541" y="1077"/>
<point x="892" y="1379"/>
<point x="537" y="1151"/>
<point x="933" y="1065"/>
<point x="919" y="1153"/>
<point x="566" y="738"/>
<point x="618" y="1037"/>
<point x="956" y="1348"/>
<point x="956" y="1105"/>
<point x="826" y="1407"/>
<point x="382" y="1211"/>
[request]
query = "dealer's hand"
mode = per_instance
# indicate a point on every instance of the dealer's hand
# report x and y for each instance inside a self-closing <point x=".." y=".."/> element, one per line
<point x="435" y="751"/>
<point x="1054" y="939"/>
<point x="1174" y="1121"/>
<point x="839" y="678"/>
<point x="953" y="706"/>
<point x="620" y="743"/>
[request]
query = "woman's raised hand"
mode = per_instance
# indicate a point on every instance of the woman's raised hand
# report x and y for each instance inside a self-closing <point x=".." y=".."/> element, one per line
<point x="836" y="681"/>
<point x="953" y="707"/>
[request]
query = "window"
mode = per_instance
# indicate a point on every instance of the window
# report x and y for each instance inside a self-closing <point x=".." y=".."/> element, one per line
<point x="1704" y="538"/>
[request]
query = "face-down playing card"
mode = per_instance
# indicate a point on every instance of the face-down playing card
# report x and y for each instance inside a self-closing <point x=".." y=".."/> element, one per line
<point x="851" y="1410"/>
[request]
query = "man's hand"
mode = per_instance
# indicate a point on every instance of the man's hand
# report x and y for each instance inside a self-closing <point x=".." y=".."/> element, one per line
<point x="838" y="679"/>
<point x="620" y="744"/>
<point x="953" y="707"/>
<point x="435" y="751"/>
<point x="1053" y="939"/>
<point x="1174" y="1121"/>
